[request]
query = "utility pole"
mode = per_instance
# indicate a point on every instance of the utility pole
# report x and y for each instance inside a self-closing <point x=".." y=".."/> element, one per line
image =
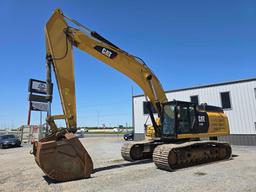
<point x="132" y="109"/>
<point x="98" y="118"/>
<point x="41" y="126"/>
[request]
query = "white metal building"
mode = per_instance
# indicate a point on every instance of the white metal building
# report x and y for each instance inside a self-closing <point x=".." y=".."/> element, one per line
<point x="237" y="98"/>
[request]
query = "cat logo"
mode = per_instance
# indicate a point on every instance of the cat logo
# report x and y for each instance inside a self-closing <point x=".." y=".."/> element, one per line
<point x="106" y="52"/>
<point x="42" y="86"/>
<point x="201" y="119"/>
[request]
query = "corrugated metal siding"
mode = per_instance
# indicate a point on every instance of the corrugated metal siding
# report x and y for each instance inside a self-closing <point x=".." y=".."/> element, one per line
<point x="242" y="116"/>
<point x="240" y="139"/>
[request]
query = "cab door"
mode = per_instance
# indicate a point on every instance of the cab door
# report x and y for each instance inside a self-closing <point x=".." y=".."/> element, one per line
<point x="186" y="121"/>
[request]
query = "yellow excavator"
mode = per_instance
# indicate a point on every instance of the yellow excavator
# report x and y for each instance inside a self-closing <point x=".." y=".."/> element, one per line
<point x="177" y="130"/>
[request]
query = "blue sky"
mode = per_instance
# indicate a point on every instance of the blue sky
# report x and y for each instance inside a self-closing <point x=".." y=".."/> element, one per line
<point x="186" y="43"/>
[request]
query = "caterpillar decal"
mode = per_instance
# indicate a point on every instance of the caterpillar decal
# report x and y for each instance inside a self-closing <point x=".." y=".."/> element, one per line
<point x="106" y="52"/>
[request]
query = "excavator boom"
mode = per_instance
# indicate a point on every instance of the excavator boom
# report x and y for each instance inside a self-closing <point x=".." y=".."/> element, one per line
<point x="61" y="38"/>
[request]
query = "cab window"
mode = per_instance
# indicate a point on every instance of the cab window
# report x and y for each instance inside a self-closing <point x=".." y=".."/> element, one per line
<point x="183" y="119"/>
<point x="186" y="118"/>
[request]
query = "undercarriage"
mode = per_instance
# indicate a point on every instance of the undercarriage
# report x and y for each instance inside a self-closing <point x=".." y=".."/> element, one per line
<point x="178" y="155"/>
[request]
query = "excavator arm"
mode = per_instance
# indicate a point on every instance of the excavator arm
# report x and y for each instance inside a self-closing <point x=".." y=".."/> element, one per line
<point x="61" y="38"/>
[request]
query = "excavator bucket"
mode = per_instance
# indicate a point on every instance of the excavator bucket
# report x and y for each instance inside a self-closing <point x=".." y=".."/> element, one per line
<point x="63" y="159"/>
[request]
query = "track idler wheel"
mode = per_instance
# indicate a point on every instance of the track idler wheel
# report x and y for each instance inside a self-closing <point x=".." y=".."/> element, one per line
<point x="64" y="158"/>
<point x="136" y="152"/>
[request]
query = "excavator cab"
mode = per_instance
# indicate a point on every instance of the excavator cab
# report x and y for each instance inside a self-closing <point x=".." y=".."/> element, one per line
<point x="182" y="118"/>
<point x="178" y="117"/>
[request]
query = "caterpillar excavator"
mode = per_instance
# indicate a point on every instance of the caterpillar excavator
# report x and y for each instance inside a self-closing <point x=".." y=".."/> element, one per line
<point x="178" y="127"/>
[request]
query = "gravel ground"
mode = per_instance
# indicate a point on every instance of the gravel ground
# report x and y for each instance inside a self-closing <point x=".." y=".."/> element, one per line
<point x="19" y="172"/>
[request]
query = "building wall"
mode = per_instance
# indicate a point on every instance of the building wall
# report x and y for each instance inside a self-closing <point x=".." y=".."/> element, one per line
<point x="242" y="115"/>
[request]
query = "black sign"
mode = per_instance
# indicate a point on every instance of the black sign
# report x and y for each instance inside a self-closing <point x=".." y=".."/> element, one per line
<point x="38" y="86"/>
<point x="39" y="106"/>
<point x="39" y="98"/>
<point x="106" y="52"/>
